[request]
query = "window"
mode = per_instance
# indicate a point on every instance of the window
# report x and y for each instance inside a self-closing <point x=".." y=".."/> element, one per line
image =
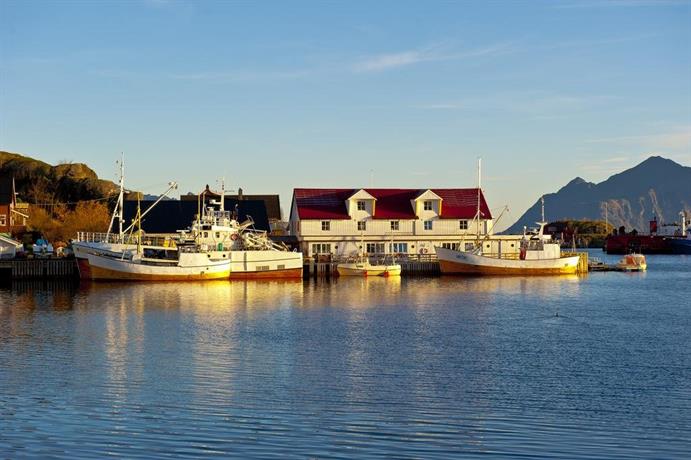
<point x="428" y="225"/>
<point x="262" y="268"/>
<point x="398" y="248"/>
<point x="463" y="224"/>
<point x="375" y="248"/>
<point x="326" y="225"/>
<point x="321" y="248"/>
<point x="3" y="219"/>
<point x="469" y="246"/>
<point x="362" y="226"/>
<point x="452" y="246"/>
<point x="428" y="205"/>
<point x="360" y="205"/>
<point x="395" y="225"/>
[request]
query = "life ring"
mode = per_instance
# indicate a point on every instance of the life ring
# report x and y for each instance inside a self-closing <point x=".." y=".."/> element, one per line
<point x="234" y="236"/>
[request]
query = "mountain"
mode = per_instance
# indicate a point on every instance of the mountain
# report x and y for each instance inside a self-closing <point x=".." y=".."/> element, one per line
<point x="656" y="187"/>
<point x="39" y="182"/>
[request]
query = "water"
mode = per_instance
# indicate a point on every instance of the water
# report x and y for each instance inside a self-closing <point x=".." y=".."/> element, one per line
<point x="589" y="367"/>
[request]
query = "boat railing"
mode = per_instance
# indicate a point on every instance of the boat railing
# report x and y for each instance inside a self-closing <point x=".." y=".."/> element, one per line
<point x="503" y="255"/>
<point x="113" y="238"/>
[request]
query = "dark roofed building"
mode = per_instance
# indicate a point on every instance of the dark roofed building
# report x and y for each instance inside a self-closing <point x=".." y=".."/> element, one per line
<point x="173" y="215"/>
<point x="272" y="203"/>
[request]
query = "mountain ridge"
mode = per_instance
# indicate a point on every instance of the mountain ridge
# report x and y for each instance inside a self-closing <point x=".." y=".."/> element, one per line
<point x="655" y="187"/>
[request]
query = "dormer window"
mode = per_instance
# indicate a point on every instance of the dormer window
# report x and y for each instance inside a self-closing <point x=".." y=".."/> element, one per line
<point x="361" y="205"/>
<point x="326" y="225"/>
<point x="427" y="205"/>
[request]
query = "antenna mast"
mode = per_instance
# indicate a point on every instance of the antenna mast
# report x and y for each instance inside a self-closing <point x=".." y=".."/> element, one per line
<point x="542" y="201"/>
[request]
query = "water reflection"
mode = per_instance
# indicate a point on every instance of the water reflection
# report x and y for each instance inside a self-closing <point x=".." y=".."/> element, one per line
<point x="353" y="367"/>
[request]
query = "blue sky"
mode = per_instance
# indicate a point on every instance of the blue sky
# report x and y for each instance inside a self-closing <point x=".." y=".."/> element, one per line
<point x="276" y="95"/>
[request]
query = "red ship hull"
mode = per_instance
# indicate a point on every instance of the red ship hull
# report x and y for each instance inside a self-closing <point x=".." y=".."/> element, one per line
<point x="642" y="244"/>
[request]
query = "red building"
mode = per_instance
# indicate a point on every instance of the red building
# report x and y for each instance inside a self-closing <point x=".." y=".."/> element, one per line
<point x="13" y="215"/>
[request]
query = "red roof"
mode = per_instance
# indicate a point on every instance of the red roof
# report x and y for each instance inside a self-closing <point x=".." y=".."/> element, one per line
<point x="320" y="203"/>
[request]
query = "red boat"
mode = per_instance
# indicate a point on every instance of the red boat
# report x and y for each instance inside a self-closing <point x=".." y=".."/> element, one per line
<point x="654" y="243"/>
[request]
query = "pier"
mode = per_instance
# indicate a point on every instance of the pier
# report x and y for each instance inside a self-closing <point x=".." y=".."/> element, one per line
<point x="38" y="268"/>
<point x="324" y="266"/>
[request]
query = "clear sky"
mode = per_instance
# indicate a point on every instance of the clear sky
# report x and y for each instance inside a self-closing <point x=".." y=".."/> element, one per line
<point x="276" y="95"/>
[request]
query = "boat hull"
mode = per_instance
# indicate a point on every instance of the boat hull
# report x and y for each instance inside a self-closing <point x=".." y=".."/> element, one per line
<point x="107" y="268"/>
<point x="243" y="264"/>
<point x="463" y="263"/>
<point x="370" y="270"/>
<point x="680" y="245"/>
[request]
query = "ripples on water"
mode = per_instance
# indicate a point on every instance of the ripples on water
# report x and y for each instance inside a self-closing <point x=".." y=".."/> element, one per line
<point x="593" y="367"/>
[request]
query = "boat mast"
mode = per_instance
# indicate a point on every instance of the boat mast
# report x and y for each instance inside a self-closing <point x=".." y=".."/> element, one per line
<point x="117" y="212"/>
<point x="479" y="188"/>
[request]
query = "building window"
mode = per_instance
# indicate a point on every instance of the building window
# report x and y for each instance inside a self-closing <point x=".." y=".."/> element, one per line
<point x="360" y="205"/>
<point x="3" y="219"/>
<point x="463" y="224"/>
<point x="321" y="248"/>
<point x="452" y="246"/>
<point x="398" y="248"/>
<point x="395" y="225"/>
<point x="428" y="225"/>
<point x="469" y="246"/>
<point x="375" y="248"/>
<point x="326" y="225"/>
<point x="362" y="226"/>
<point x="428" y="205"/>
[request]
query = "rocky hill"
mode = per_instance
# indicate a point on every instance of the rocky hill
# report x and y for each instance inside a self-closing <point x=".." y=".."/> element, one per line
<point x="657" y="186"/>
<point x="39" y="182"/>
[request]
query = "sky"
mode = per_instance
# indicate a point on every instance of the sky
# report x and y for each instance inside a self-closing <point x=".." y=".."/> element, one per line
<point x="274" y="95"/>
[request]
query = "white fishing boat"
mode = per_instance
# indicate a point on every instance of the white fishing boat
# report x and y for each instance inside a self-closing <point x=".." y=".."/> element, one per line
<point x="364" y="268"/>
<point x="538" y="255"/>
<point x="188" y="265"/>
<point x="214" y="232"/>
<point x="361" y="266"/>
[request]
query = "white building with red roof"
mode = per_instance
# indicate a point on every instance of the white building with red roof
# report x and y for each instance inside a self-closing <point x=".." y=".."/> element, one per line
<point x="381" y="221"/>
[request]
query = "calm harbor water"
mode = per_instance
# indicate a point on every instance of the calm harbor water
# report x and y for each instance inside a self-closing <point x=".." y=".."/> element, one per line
<point x="572" y="367"/>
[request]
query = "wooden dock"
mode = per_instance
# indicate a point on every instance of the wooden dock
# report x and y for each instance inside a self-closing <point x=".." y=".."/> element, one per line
<point x="38" y="268"/>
